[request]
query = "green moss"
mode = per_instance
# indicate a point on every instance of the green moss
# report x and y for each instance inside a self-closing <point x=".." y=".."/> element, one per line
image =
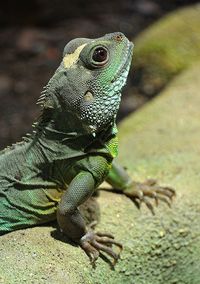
<point x="166" y="48"/>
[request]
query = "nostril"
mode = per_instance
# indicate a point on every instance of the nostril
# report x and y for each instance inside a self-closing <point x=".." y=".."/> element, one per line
<point x="118" y="37"/>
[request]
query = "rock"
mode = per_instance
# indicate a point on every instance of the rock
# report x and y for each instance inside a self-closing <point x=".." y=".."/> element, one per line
<point x="160" y="141"/>
<point x="165" y="49"/>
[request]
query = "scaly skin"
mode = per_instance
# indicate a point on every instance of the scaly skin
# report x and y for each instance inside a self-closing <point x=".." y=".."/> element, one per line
<point x="70" y="153"/>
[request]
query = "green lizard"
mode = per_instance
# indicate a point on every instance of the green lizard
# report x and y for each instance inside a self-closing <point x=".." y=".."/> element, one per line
<point x="71" y="151"/>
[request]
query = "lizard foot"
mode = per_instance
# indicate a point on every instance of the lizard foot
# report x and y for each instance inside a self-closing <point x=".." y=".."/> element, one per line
<point x="93" y="243"/>
<point x="141" y="192"/>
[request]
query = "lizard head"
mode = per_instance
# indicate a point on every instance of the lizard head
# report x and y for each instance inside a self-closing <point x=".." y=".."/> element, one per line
<point x="92" y="74"/>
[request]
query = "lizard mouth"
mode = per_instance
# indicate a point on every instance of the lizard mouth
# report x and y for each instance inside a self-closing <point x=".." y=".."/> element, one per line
<point x="126" y="65"/>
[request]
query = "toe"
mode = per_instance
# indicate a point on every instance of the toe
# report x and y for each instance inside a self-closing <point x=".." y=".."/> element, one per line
<point x="164" y="191"/>
<point x="108" y="241"/>
<point x="105" y="235"/>
<point x="106" y="249"/>
<point x="90" y="251"/>
<point x="149" y="205"/>
<point x="164" y="199"/>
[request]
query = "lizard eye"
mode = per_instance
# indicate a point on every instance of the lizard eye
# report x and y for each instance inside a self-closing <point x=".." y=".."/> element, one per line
<point x="100" y="56"/>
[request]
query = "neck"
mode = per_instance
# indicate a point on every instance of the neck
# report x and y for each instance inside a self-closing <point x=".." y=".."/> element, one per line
<point x="60" y="133"/>
<point x="57" y="129"/>
<point x="54" y="130"/>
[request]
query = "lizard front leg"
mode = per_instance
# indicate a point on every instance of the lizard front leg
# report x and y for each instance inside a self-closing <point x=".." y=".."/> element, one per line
<point x="72" y="224"/>
<point x="139" y="192"/>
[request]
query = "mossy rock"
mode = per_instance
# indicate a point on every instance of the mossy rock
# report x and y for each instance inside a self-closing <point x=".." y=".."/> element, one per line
<point x="160" y="141"/>
<point x="165" y="49"/>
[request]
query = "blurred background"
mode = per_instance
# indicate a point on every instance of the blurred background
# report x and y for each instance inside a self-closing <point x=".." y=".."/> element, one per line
<point x="33" y="34"/>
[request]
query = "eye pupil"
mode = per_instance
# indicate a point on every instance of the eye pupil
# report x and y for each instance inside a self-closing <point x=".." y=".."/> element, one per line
<point x="100" y="54"/>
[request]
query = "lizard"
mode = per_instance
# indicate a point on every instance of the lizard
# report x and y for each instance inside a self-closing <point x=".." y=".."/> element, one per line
<point x="72" y="148"/>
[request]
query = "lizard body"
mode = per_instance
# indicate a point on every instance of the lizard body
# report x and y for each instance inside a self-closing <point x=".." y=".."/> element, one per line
<point x="71" y="151"/>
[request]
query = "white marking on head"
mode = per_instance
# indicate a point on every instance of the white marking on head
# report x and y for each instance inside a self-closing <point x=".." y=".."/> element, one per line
<point x="71" y="59"/>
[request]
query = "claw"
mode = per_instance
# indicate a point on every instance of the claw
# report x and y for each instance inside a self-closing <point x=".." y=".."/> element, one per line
<point x="106" y="249"/>
<point x="107" y="241"/>
<point x="92" y="225"/>
<point x="170" y="189"/>
<point x="142" y="192"/>
<point x="104" y="235"/>
<point x="93" y="243"/>
<point x="90" y="251"/>
<point x="149" y="205"/>
<point x="165" y="191"/>
<point x="164" y="199"/>
<point x="150" y="182"/>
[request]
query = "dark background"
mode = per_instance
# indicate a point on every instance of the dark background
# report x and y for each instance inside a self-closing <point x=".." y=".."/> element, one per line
<point x="33" y="34"/>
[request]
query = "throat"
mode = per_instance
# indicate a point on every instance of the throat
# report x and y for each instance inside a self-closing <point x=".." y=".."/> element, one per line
<point x="54" y="134"/>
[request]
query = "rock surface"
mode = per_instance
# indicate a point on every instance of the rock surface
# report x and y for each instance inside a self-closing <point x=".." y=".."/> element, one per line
<point x="166" y="48"/>
<point x="162" y="51"/>
<point x="161" y="141"/>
